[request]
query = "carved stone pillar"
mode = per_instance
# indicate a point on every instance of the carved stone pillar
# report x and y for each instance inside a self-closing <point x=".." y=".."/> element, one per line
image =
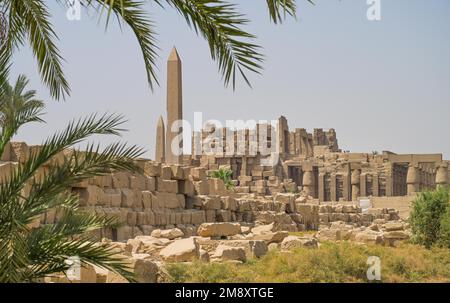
<point x="413" y="179"/>
<point x="308" y="182"/>
<point x="355" y="181"/>
<point x="442" y="176"/>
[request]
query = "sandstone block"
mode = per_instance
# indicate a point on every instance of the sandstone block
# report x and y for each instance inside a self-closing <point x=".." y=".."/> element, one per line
<point x="127" y="198"/>
<point x="219" y="229"/>
<point x="167" y="186"/>
<point x="120" y="180"/>
<point x="291" y="242"/>
<point x="228" y="253"/>
<point x="183" y="250"/>
<point x="167" y="233"/>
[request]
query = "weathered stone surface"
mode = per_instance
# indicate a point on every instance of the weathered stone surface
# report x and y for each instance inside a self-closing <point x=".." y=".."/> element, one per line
<point x="270" y="237"/>
<point x="253" y="248"/>
<point x="263" y="228"/>
<point x="167" y="233"/>
<point x="393" y="226"/>
<point x="291" y="242"/>
<point x="228" y="253"/>
<point x="369" y="237"/>
<point x="219" y="229"/>
<point x="182" y="250"/>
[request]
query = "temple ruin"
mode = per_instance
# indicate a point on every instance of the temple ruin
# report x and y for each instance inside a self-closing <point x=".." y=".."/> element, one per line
<point x="308" y="163"/>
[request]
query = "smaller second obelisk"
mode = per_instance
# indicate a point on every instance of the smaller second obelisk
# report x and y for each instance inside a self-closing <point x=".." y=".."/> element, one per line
<point x="160" y="151"/>
<point x="174" y="130"/>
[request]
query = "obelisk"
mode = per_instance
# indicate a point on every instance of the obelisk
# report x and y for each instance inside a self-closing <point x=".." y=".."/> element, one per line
<point x="160" y="141"/>
<point x="174" y="131"/>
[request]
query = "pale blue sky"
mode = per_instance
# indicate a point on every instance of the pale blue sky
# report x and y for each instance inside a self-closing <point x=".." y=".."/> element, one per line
<point x="382" y="85"/>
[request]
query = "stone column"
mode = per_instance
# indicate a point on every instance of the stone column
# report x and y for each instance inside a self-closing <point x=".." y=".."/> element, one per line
<point x="333" y="189"/>
<point x="174" y="109"/>
<point x="321" y="187"/>
<point x="363" y="185"/>
<point x="160" y="141"/>
<point x="346" y="184"/>
<point x="308" y="182"/>
<point x="442" y="175"/>
<point x="413" y="179"/>
<point x="375" y="185"/>
<point x="355" y="181"/>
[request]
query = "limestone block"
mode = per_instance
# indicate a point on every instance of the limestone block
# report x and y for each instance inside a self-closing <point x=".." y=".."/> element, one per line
<point x="269" y="237"/>
<point x="183" y="250"/>
<point x="138" y="182"/>
<point x="177" y="172"/>
<point x="198" y="173"/>
<point x="210" y="202"/>
<point x="393" y="226"/>
<point x="120" y="180"/>
<point x="186" y="217"/>
<point x="102" y="181"/>
<point x="150" y="183"/>
<point x="260" y="229"/>
<point x="253" y="248"/>
<point x="124" y="233"/>
<point x="219" y="229"/>
<point x="112" y="197"/>
<point x="146" y="199"/>
<point x="127" y="197"/>
<point x="242" y="189"/>
<point x="216" y="186"/>
<point x="144" y="270"/>
<point x="167" y="186"/>
<point x="210" y="215"/>
<point x="288" y="200"/>
<point x="90" y="196"/>
<point x="141" y="218"/>
<point x="327" y="235"/>
<point x="223" y="215"/>
<point x="201" y="187"/>
<point x="150" y="218"/>
<point x="167" y="233"/>
<point x="229" y="203"/>
<point x="152" y="169"/>
<point x="229" y="253"/>
<point x="369" y="237"/>
<point x="309" y="214"/>
<point x="187" y="172"/>
<point x="186" y="187"/>
<point x="171" y="200"/>
<point x="198" y="216"/>
<point x="131" y="218"/>
<point x="291" y="242"/>
<point x="166" y="172"/>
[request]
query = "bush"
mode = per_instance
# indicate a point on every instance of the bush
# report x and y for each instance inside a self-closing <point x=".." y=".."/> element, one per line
<point x="224" y="175"/>
<point x="430" y="218"/>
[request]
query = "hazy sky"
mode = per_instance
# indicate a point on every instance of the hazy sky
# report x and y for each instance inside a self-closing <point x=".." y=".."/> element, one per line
<point x="383" y="85"/>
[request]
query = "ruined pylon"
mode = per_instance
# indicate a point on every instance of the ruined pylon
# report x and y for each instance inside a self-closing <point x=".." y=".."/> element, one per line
<point x="160" y="141"/>
<point x="174" y="132"/>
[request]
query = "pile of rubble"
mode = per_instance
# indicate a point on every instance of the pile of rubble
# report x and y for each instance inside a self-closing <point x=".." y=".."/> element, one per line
<point x="352" y="214"/>
<point x="381" y="232"/>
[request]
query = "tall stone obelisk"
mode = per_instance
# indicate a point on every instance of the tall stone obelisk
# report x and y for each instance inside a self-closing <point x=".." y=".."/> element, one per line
<point x="160" y="151"/>
<point x="174" y="139"/>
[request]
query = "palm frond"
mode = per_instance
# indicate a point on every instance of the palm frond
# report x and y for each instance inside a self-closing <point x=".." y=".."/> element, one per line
<point x="31" y="19"/>
<point x="220" y="24"/>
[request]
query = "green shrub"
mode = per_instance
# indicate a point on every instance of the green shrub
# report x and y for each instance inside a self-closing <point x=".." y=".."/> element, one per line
<point x="225" y="176"/>
<point x="430" y="218"/>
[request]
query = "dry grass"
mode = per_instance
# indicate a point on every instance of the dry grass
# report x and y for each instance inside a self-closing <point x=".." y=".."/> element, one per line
<point x="332" y="262"/>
